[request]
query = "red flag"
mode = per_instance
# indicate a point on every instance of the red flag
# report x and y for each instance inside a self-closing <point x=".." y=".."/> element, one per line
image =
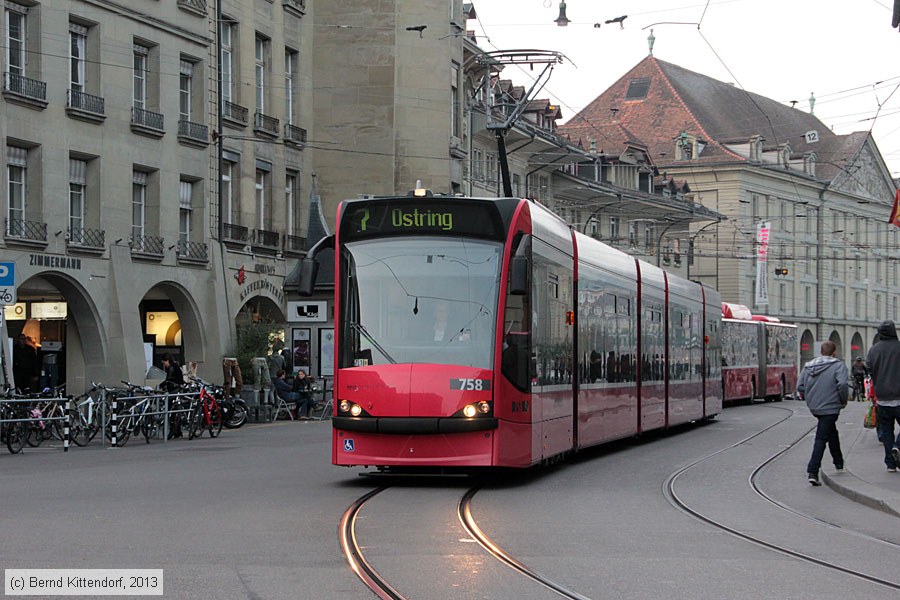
<point x="895" y="212"/>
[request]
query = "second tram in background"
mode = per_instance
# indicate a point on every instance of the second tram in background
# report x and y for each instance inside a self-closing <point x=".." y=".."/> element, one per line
<point x="486" y="333"/>
<point x="759" y="356"/>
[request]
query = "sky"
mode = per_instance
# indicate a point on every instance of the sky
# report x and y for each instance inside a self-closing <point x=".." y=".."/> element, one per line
<point x="843" y="51"/>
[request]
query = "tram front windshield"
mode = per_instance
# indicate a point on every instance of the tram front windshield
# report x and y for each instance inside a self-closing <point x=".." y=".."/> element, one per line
<point x="419" y="300"/>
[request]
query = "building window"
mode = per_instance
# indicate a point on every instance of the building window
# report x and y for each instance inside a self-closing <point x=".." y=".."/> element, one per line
<point x="517" y="185"/>
<point x="185" y="83"/>
<point x="138" y="206"/>
<point x="185" y="198"/>
<point x="454" y="101"/>
<point x="227" y="201"/>
<point x="139" y="72"/>
<point x="290" y="188"/>
<point x="16" y="163"/>
<point x="860" y="309"/>
<point x="782" y="297"/>
<point x="490" y="168"/>
<point x="227" y="34"/>
<point x="77" y="55"/>
<point x="613" y="228"/>
<point x="290" y="67"/>
<point x="807" y="300"/>
<point x="476" y="164"/>
<point x="77" y="187"/>
<point x="834" y="264"/>
<point x="835" y="299"/>
<point x="15" y="38"/>
<point x="261" y="51"/>
<point x="263" y="199"/>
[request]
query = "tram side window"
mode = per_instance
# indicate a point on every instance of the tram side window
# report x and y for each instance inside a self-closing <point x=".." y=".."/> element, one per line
<point x="607" y="327"/>
<point x="516" y="361"/>
<point x="552" y="289"/>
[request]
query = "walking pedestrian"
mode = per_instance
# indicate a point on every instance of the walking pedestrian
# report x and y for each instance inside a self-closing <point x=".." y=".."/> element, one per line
<point x="823" y="384"/>
<point x="883" y="361"/>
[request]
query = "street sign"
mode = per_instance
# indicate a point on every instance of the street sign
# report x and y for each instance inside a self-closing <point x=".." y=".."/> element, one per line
<point x="7" y="283"/>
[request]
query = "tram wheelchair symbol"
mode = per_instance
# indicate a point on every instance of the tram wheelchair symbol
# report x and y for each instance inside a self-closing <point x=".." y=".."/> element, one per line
<point x="349" y="446"/>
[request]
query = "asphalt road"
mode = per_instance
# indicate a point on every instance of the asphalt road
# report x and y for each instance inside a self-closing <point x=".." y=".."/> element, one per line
<point x="255" y="514"/>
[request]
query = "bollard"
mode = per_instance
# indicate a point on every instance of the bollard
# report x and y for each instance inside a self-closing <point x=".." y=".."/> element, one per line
<point x="67" y="427"/>
<point x="115" y="421"/>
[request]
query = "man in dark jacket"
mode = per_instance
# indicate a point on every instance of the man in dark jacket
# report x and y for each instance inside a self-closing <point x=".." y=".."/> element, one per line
<point x="883" y="361"/>
<point x="823" y="384"/>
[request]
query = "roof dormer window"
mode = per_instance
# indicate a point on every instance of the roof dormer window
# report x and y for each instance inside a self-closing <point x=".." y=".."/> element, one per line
<point x="638" y="88"/>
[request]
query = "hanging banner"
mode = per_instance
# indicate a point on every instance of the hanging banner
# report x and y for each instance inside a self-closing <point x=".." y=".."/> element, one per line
<point x="762" y="252"/>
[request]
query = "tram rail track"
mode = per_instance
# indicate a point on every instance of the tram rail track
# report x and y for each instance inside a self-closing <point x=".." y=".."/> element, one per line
<point x="383" y="589"/>
<point x="673" y="498"/>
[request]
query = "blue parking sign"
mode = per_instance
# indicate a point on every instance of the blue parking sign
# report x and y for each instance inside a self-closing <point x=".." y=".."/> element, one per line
<point x="7" y="274"/>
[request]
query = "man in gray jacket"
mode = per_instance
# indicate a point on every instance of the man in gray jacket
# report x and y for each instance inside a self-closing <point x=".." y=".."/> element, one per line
<point x="823" y="384"/>
<point x="883" y="361"/>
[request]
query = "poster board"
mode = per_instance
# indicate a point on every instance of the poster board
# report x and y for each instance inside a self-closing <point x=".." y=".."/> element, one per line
<point x="326" y="352"/>
<point x="300" y="349"/>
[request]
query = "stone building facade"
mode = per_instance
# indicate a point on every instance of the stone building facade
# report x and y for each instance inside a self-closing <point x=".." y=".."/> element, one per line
<point x="832" y="257"/>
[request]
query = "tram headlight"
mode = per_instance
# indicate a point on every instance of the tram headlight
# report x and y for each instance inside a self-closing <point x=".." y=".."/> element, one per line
<point x="469" y="410"/>
<point x="355" y="410"/>
<point x="484" y="407"/>
<point x="344" y="406"/>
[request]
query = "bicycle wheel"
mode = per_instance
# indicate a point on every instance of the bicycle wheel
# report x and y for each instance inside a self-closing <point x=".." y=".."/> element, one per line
<point x="76" y="428"/>
<point x="34" y="434"/>
<point x="15" y="436"/>
<point x="151" y="427"/>
<point x="123" y="431"/>
<point x="196" y="426"/>
<point x="216" y="419"/>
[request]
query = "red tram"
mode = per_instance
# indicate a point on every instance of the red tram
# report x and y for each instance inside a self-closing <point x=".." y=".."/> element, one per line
<point x="759" y="356"/>
<point x="486" y="333"/>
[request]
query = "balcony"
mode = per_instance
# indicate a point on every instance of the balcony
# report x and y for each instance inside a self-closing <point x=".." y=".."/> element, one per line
<point x="22" y="90"/>
<point x="193" y="134"/>
<point x="91" y="241"/>
<point x="265" y="125"/>
<point x="296" y="7"/>
<point x="293" y="245"/>
<point x="234" y="114"/>
<point x="26" y="233"/>
<point x="86" y="107"/>
<point x="193" y="252"/>
<point x="294" y="136"/>
<point x="265" y="241"/>
<point x="235" y="235"/>
<point x="147" y="246"/>
<point x="147" y="122"/>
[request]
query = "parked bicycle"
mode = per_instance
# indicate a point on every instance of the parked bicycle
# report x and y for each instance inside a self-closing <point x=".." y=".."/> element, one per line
<point x="207" y="413"/>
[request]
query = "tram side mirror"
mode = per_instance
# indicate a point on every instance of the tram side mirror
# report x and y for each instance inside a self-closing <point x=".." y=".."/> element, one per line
<point x="309" y="268"/>
<point x="518" y="275"/>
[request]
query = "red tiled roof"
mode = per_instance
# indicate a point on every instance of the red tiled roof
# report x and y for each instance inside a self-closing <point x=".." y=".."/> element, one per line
<point x="680" y="100"/>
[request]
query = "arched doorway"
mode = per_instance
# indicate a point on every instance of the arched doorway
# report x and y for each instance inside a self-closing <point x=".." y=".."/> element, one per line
<point x="856" y="346"/>
<point x="807" y="347"/>
<point x="171" y="324"/>
<point x="63" y="324"/>
<point x="836" y="338"/>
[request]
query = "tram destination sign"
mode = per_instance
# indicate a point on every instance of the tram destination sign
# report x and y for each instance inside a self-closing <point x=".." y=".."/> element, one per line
<point x="415" y="216"/>
<point x="7" y="283"/>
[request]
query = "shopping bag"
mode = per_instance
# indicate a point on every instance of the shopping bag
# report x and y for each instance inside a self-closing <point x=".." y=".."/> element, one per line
<point x="869" y="420"/>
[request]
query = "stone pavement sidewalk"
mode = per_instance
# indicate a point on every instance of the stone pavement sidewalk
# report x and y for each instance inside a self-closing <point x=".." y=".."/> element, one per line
<point x="866" y="478"/>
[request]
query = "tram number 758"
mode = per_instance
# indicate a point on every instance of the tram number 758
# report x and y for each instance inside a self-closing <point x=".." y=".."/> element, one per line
<point x="470" y="385"/>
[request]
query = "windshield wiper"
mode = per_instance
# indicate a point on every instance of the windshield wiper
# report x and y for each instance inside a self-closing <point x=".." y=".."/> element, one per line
<point x="365" y="333"/>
